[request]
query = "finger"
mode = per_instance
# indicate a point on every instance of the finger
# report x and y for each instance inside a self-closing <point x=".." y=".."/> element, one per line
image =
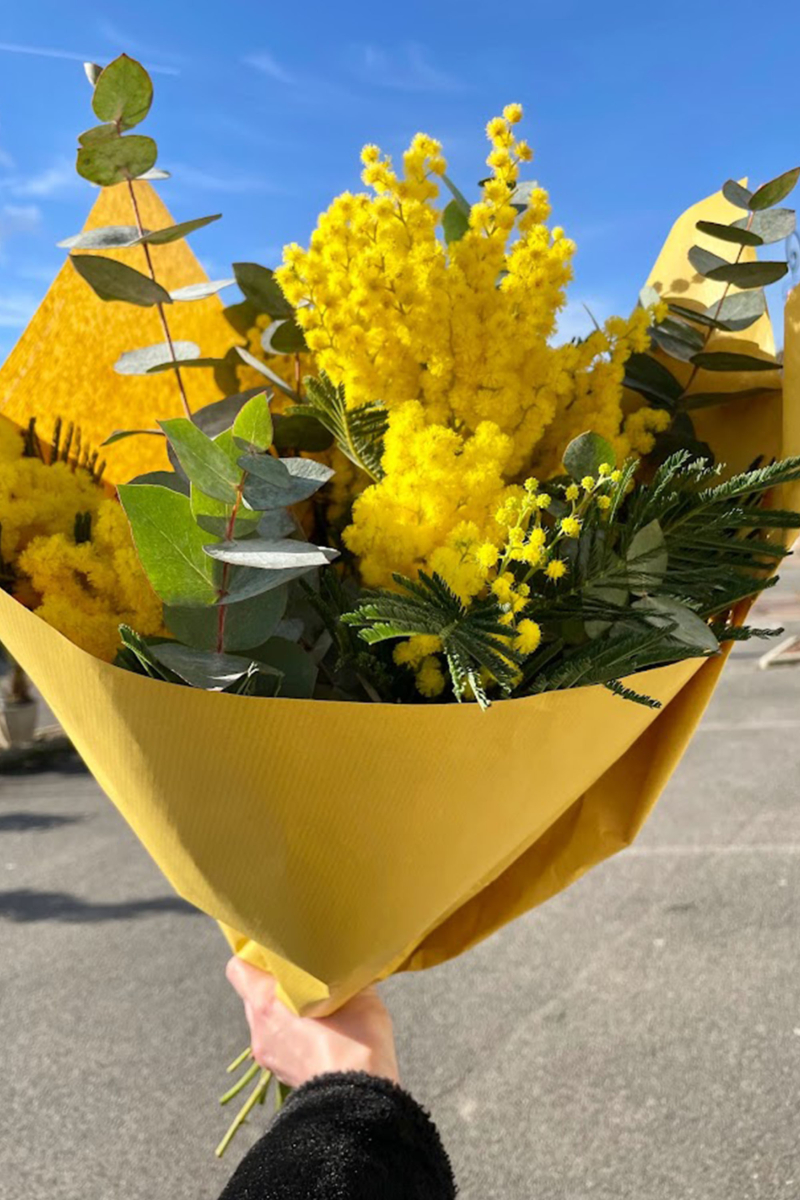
<point x="247" y="981"/>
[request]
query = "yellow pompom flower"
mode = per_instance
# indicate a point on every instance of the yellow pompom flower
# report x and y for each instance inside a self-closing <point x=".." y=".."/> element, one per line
<point x="513" y="113"/>
<point x="587" y="483"/>
<point x="417" y="648"/>
<point x="556" y="569"/>
<point x="603" y="502"/>
<point x="529" y="635"/>
<point x="430" y="679"/>
<point x="573" y="492"/>
<point x="570" y="527"/>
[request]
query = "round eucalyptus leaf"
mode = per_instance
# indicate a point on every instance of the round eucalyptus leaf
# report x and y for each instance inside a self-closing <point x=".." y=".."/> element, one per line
<point x="704" y="261"/>
<point x="115" y="160"/>
<point x="98" y="133"/>
<point x="262" y="289"/>
<point x="123" y="92"/>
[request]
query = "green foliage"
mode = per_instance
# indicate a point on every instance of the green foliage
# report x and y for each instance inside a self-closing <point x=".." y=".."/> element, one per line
<point x="123" y="93"/>
<point x="252" y="428"/>
<point x="586" y="453"/>
<point x="455" y="222"/>
<point x="116" y="159"/>
<point x="170" y="544"/>
<point x="358" y="432"/>
<point x="262" y="289"/>
<point x="112" y="280"/>
<point x="472" y="636"/>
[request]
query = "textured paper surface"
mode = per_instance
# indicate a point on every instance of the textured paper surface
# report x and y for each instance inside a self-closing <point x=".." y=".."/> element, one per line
<point x="337" y="843"/>
<point x="63" y="365"/>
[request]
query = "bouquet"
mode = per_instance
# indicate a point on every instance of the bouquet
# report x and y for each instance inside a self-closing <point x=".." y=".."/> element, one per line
<point x="398" y="642"/>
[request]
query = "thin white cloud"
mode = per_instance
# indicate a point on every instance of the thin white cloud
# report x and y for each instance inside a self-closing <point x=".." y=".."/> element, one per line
<point x="268" y="65"/>
<point x="409" y="69"/>
<point x="19" y="218"/>
<point x="55" y="180"/>
<point x="46" y="52"/>
<point x="230" y="184"/>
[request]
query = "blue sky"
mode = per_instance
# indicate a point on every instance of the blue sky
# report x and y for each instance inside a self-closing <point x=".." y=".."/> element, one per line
<point x="634" y="110"/>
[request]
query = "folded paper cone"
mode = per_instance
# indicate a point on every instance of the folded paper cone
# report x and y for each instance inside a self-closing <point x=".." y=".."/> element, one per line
<point x="338" y="843"/>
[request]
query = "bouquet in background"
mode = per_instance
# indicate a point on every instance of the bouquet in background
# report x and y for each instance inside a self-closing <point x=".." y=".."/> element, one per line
<point x="427" y="501"/>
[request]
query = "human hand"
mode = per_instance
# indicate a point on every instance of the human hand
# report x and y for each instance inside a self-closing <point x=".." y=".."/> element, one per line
<point x="358" y="1037"/>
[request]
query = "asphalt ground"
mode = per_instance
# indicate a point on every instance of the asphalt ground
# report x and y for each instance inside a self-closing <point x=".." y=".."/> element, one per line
<point x="636" y="1037"/>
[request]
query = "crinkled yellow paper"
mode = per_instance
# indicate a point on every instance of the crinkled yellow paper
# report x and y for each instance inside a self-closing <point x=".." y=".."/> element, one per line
<point x="337" y="843"/>
<point x="63" y="365"/>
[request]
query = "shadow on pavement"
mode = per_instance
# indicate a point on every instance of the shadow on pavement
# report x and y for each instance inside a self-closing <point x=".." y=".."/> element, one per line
<point x="22" y="822"/>
<point x="25" y="905"/>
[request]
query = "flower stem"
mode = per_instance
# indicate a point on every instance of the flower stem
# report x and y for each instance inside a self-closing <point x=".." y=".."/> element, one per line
<point x="253" y="1099"/>
<point x="163" y="316"/>
<point x="249" y="1074"/>
<point x="237" y="1062"/>
<point x="223" y="587"/>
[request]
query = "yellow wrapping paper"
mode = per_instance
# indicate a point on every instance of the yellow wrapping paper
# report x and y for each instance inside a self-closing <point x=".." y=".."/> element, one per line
<point x="338" y="843"/>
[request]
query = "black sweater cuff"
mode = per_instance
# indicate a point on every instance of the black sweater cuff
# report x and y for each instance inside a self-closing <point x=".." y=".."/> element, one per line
<point x="346" y="1136"/>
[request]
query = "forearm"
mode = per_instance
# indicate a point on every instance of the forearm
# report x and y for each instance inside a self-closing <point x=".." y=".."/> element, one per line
<point x="346" y="1135"/>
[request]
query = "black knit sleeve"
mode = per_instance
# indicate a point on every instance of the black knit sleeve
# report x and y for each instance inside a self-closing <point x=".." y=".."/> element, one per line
<point x="348" y="1136"/>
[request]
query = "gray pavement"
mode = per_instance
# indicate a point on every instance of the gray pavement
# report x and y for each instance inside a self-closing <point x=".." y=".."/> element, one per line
<point x="637" y="1037"/>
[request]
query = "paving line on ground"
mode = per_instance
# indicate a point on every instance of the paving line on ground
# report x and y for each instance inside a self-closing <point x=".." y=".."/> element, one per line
<point x="678" y="851"/>
<point x="744" y="726"/>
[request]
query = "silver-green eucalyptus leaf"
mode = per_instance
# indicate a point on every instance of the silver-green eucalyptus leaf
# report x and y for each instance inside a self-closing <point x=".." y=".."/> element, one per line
<point x="280" y="555"/>
<point x="173" y="233"/>
<point x="108" y="237"/>
<point x="123" y="92"/>
<point x="170" y="545"/>
<point x="115" y="160"/>
<point x="202" y="290"/>
<point x="206" y="463"/>
<point x="141" y="362"/>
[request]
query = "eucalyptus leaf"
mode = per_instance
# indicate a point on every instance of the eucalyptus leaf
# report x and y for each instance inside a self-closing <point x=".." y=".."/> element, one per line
<point x="172" y="233"/>
<point x="206" y="669"/>
<point x="677" y="339"/>
<point x="123" y="93"/>
<point x="98" y="133"/>
<point x="750" y="274"/>
<point x="201" y="291"/>
<point x="268" y="373"/>
<point x="252" y="427"/>
<point x="704" y="261"/>
<point x="295" y="664"/>
<point x="772" y="225"/>
<point x="645" y="374"/>
<point x="455" y="222"/>
<point x="648" y="296"/>
<point x="608" y="594"/>
<point x="112" y="280"/>
<point x="154" y="175"/>
<point x="169" y="544"/>
<point x="737" y="195"/>
<point x="773" y="192"/>
<point x="459" y="198"/>
<point x="140" y="362"/>
<point x="734" y="313"/>
<point x="167" y="479"/>
<point x="301" y="433"/>
<point x="290" y="628"/>
<point x="186" y="362"/>
<point x="119" y="434"/>
<point x="689" y="629"/>
<point x="247" y="624"/>
<point x="585" y="453"/>
<point x="92" y="72"/>
<point x="253" y="581"/>
<point x="647" y="558"/>
<point x="115" y="160"/>
<point x="735" y="233"/>
<point x="285" y="337"/>
<point x="268" y="486"/>
<point x="276" y="524"/>
<point x="724" y="360"/>
<point x="280" y="555"/>
<point x="262" y="289"/>
<point x="207" y="466"/>
<point x="220" y="415"/>
<point x="108" y="237"/>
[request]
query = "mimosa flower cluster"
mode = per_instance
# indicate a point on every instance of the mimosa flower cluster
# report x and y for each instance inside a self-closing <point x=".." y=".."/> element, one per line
<point x="82" y="577"/>
<point x="455" y="339"/>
